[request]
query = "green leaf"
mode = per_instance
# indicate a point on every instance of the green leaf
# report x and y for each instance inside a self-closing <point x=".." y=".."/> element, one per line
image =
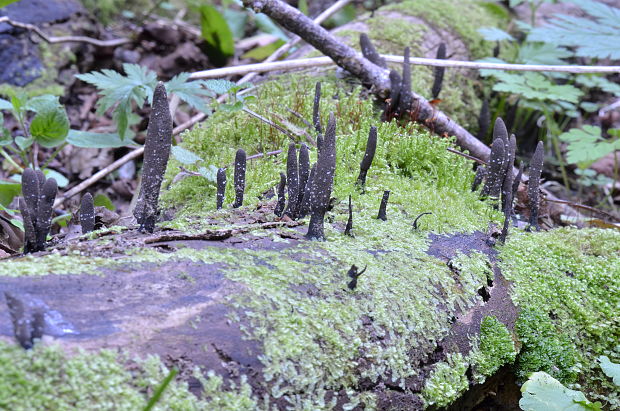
<point x="62" y="220"/>
<point x="494" y="34"/>
<point x="210" y="173"/>
<point x="585" y="146"/>
<point x="5" y="135"/>
<point x="236" y="20"/>
<point x="7" y="2"/>
<point x="215" y="31"/>
<point x="190" y="92"/>
<point x="219" y="86"/>
<point x="102" y="200"/>
<point x="597" y="81"/>
<point x="535" y="86"/>
<point x="266" y="25"/>
<point x="5" y="105"/>
<point x="88" y="139"/>
<point x="261" y="53"/>
<point x="23" y="142"/>
<point x="542" y="53"/>
<point x="61" y="180"/>
<point x="611" y="369"/>
<point x="51" y="125"/>
<point x="541" y="392"/>
<point x="597" y="36"/>
<point x="185" y="156"/>
<point x="8" y="191"/>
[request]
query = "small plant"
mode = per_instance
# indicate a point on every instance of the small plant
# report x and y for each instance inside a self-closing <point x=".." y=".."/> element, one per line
<point x="349" y="226"/>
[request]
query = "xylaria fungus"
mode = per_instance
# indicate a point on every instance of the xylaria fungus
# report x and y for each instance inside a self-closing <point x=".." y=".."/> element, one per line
<point x="240" y="166"/>
<point x="349" y="226"/>
<point x="221" y="188"/>
<point x="383" y="206"/>
<point x="316" y="115"/>
<point x="415" y="222"/>
<point x="304" y="174"/>
<point x="481" y="172"/>
<point x="156" y="154"/>
<point x="28" y="320"/>
<point x="515" y="185"/>
<point x="279" y="210"/>
<point x="368" y="51"/>
<point x="533" y="195"/>
<point x="369" y="155"/>
<point x="439" y="71"/>
<point x="405" y="100"/>
<point x="322" y="181"/>
<point x="508" y="169"/>
<point x="87" y="213"/>
<point x="391" y="107"/>
<point x="507" y="206"/>
<point x="354" y="275"/>
<point x="304" y="206"/>
<point x="484" y="120"/>
<point x="39" y="194"/>
<point x="495" y="172"/>
<point x="292" y="179"/>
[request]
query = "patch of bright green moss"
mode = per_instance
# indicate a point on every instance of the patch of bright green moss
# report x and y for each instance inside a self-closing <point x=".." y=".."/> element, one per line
<point x="447" y="382"/>
<point x="45" y="378"/>
<point x="495" y="348"/>
<point x="572" y="276"/>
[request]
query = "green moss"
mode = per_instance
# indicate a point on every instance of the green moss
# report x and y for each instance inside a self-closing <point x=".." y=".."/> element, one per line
<point x="573" y="277"/>
<point x="45" y="378"/>
<point x="447" y="382"/>
<point x="495" y="348"/>
<point x="53" y="263"/>
<point x="544" y="348"/>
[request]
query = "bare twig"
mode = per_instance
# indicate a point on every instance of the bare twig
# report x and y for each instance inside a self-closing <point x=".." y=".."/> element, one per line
<point x="65" y="39"/>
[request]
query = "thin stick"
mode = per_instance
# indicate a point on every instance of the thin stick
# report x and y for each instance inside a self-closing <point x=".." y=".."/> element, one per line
<point x="65" y="39"/>
<point x="266" y="67"/>
<point x="583" y="207"/>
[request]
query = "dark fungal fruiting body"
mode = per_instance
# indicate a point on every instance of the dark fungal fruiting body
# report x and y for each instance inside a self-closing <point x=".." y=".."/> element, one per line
<point x="507" y="207"/>
<point x="221" y="188"/>
<point x="87" y="213"/>
<point x="369" y="155"/>
<point x="304" y="206"/>
<point x="156" y="154"/>
<point x="383" y="206"/>
<point x="439" y="71"/>
<point x="240" y="167"/>
<point x="533" y="195"/>
<point x="391" y="107"/>
<point x="27" y="317"/>
<point x="481" y="172"/>
<point x="405" y="100"/>
<point x="322" y="182"/>
<point x="495" y="173"/>
<point x="508" y="170"/>
<point x="36" y="205"/>
<point x="292" y="179"/>
<point x="415" y="222"/>
<point x="316" y="107"/>
<point x="279" y="210"/>
<point x="354" y="275"/>
<point x="515" y="189"/>
<point x="370" y="52"/>
<point x="349" y="226"/>
<point x="484" y="120"/>
<point x="304" y="175"/>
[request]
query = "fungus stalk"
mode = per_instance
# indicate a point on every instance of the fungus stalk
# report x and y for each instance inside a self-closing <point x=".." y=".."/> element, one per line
<point x="87" y="213"/>
<point x="349" y="226"/>
<point x="369" y="51"/>
<point x="240" y="167"/>
<point x="369" y="155"/>
<point x="35" y="206"/>
<point x="383" y="207"/>
<point x="322" y="182"/>
<point x="221" y="188"/>
<point x="304" y="206"/>
<point x="304" y="175"/>
<point x="292" y="178"/>
<point x="439" y="71"/>
<point x="406" y="97"/>
<point x="156" y="154"/>
<point x="279" y="210"/>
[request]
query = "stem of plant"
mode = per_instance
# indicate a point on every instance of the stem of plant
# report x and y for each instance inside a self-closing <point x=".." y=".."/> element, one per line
<point x="54" y="154"/>
<point x="553" y="132"/>
<point x="10" y="160"/>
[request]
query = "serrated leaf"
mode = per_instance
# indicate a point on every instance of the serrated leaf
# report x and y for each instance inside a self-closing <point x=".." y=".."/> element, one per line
<point x="50" y="126"/>
<point x="542" y="53"/>
<point x="595" y="37"/>
<point x="597" y="81"/>
<point x="535" y="86"/>
<point x="185" y="156"/>
<point x="611" y="369"/>
<point x="88" y="139"/>
<point x="494" y="34"/>
<point x="190" y="92"/>
<point x="541" y="392"/>
<point x="585" y="146"/>
<point x="219" y="86"/>
<point x="215" y="31"/>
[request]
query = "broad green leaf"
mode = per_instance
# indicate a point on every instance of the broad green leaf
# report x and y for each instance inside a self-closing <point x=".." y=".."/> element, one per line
<point x="5" y="105"/>
<point x="542" y="392"/>
<point x="494" y="34"/>
<point x="87" y="139"/>
<point x="61" y="180"/>
<point x="7" y="2"/>
<point x="184" y="156"/>
<point x="210" y="173"/>
<point x="585" y="146"/>
<point x="261" y="53"/>
<point x="190" y="92"/>
<point x="535" y="86"/>
<point x="236" y="20"/>
<point x="62" y="220"/>
<point x="5" y="135"/>
<point x="215" y="31"/>
<point x="611" y="369"/>
<point x="8" y="191"/>
<point x="542" y="53"/>
<point x="266" y="25"/>
<point x="51" y="125"/>
<point x="121" y="117"/>
<point x="102" y="200"/>
<point x="597" y="81"/>
<point x="23" y="142"/>
<point x="42" y="103"/>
